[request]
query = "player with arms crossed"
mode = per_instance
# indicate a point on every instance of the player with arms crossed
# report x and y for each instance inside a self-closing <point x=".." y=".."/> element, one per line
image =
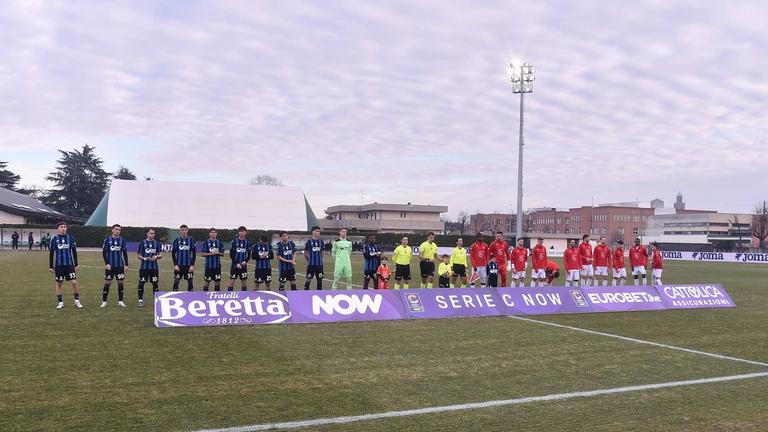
<point x="184" y="253"/>
<point x="286" y="256"/>
<point x="500" y="249"/>
<point x="427" y="254"/>
<point x="148" y="253"/>
<point x="115" y="254"/>
<point x="656" y="264"/>
<point x="585" y="255"/>
<point x="638" y="259"/>
<point x="519" y="257"/>
<point x="240" y="254"/>
<point x="62" y="262"/>
<point x="212" y="251"/>
<point x="619" y="266"/>
<point x="262" y="262"/>
<point x="478" y="257"/>
<point x="602" y="258"/>
<point x="572" y="262"/>
<point x="371" y="262"/>
<point x="539" y="262"/>
<point x="313" y="253"/>
<point x="402" y="258"/>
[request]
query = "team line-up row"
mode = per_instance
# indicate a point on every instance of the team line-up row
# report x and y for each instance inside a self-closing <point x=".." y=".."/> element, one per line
<point x="489" y="263"/>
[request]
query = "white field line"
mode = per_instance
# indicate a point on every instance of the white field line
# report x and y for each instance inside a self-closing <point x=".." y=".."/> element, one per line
<point x="641" y="341"/>
<point x="481" y="405"/>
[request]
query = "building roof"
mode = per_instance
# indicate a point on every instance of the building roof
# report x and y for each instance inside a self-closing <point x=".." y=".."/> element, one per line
<point x="24" y="205"/>
<point x="387" y="207"/>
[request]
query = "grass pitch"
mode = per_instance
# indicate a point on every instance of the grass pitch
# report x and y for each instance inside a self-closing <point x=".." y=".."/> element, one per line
<point x="111" y="369"/>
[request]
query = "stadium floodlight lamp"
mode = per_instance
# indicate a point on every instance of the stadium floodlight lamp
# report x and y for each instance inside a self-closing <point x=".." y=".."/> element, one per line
<point x="521" y="76"/>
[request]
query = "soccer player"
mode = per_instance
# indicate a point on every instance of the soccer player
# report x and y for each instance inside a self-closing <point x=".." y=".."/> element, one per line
<point x="262" y="262"/>
<point x="493" y="272"/>
<point x="572" y="262"/>
<point x="552" y="271"/>
<point x="240" y="254"/>
<point x="458" y="263"/>
<point x="500" y="249"/>
<point x="585" y="255"/>
<point x="427" y="255"/>
<point x="341" y="250"/>
<point x="602" y="257"/>
<point x="184" y="253"/>
<point x="62" y="262"/>
<point x="656" y="264"/>
<point x="638" y="259"/>
<point x="619" y="266"/>
<point x="519" y="257"/>
<point x="15" y="241"/>
<point x="539" y="262"/>
<point x="212" y="251"/>
<point x="313" y="253"/>
<point x="286" y="257"/>
<point x="371" y="261"/>
<point x="444" y="272"/>
<point x="149" y="252"/>
<point x="402" y="258"/>
<point x="478" y="257"/>
<point x="115" y="254"/>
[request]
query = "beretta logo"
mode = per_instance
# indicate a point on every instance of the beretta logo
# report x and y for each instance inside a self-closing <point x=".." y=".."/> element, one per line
<point x="172" y="309"/>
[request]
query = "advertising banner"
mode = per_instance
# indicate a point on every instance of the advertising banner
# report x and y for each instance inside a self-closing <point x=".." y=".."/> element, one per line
<point x="216" y="308"/>
<point x="340" y="305"/>
<point x="450" y="302"/>
<point x="695" y="296"/>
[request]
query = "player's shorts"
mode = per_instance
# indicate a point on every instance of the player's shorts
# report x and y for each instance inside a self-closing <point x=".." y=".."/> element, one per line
<point x="402" y="271"/>
<point x="620" y="273"/>
<point x="368" y="274"/>
<point x="238" y="273"/>
<point x="482" y="271"/>
<point x="459" y="270"/>
<point x="571" y="275"/>
<point x="601" y="271"/>
<point x="287" y="275"/>
<point x="314" y="270"/>
<point x="62" y="273"/>
<point x="638" y="270"/>
<point x="587" y="270"/>
<point x="443" y="282"/>
<point x="656" y="273"/>
<point x="149" y="275"/>
<point x="427" y="269"/>
<point x="212" y="274"/>
<point x="539" y="273"/>
<point x="115" y="273"/>
<point x="262" y="275"/>
<point x="183" y="272"/>
<point x="518" y="274"/>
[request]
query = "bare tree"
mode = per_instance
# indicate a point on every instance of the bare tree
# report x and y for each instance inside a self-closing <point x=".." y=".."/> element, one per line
<point x="266" y="180"/>
<point x="760" y="224"/>
<point x="737" y="226"/>
<point x="33" y="191"/>
<point x="462" y="221"/>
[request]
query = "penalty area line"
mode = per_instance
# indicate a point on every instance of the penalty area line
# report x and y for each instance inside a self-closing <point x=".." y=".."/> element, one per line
<point x="481" y="405"/>
<point x="641" y="341"/>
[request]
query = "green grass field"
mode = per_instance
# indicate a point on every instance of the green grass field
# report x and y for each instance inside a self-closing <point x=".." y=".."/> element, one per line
<point x="111" y="369"/>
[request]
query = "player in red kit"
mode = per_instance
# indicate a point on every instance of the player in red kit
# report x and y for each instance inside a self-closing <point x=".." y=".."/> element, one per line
<point x="585" y="255"/>
<point x="638" y="259"/>
<point x="478" y="257"/>
<point x="619" y="266"/>
<point x="602" y="257"/>
<point x="656" y="264"/>
<point x="572" y="263"/>
<point x="519" y="258"/>
<point x="552" y="271"/>
<point x="539" y="261"/>
<point x="500" y="248"/>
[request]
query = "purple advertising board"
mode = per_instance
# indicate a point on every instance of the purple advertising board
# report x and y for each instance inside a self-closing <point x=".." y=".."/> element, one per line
<point x="586" y="299"/>
<point x="450" y="302"/>
<point x="216" y="308"/>
<point x="340" y="305"/>
<point x="695" y="296"/>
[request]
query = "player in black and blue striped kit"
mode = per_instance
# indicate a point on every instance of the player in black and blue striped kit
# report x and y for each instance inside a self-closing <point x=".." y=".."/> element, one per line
<point x="240" y="253"/>
<point x="184" y="253"/>
<point x="213" y="250"/>
<point x="313" y="253"/>
<point x="371" y="261"/>
<point x="149" y="252"/>
<point x="62" y="262"/>
<point x="286" y="256"/>
<point x="262" y="262"/>
<point x="115" y="254"/>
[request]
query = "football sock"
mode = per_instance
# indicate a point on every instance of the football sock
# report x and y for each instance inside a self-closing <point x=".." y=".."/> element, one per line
<point x="293" y="286"/>
<point x="58" y="297"/>
<point x="189" y="285"/>
<point x="319" y="283"/>
<point x="141" y="290"/>
<point x="217" y="287"/>
<point x="175" y="284"/>
<point x="76" y="295"/>
<point x="120" y="292"/>
<point x="105" y="293"/>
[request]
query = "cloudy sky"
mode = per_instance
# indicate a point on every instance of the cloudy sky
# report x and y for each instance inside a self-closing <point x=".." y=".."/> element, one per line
<point x="404" y="101"/>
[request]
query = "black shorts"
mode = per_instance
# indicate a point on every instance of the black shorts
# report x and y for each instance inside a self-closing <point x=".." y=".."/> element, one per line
<point x="115" y="273"/>
<point x="368" y="274"/>
<point x="427" y="268"/>
<point x="459" y="270"/>
<point x="212" y="274"/>
<point x="262" y="275"/>
<point x="402" y="271"/>
<point x="63" y="273"/>
<point x="183" y="273"/>
<point x="149" y="275"/>
<point x="314" y="270"/>
<point x="443" y="282"/>
<point x="287" y="275"/>
<point x="238" y="273"/>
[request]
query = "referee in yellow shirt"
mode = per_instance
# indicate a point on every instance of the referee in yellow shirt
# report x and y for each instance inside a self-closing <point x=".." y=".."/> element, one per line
<point x="402" y="260"/>
<point x="458" y="263"/>
<point x="427" y="253"/>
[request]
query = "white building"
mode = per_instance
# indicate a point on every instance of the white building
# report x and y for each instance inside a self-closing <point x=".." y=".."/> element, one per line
<point x="385" y="218"/>
<point x="700" y="228"/>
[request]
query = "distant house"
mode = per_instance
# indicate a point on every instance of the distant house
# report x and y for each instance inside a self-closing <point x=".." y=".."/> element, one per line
<point x="385" y="218"/>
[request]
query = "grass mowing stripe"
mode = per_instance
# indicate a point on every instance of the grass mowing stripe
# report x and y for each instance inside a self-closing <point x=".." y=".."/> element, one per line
<point x="641" y="341"/>
<point x="481" y="405"/>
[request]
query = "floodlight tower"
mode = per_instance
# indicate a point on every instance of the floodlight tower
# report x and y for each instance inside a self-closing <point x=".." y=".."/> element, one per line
<point x="521" y="76"/>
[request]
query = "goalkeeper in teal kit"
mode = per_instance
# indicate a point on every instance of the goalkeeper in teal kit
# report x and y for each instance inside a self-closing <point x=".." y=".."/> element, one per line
<point x="341" y="250"/>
